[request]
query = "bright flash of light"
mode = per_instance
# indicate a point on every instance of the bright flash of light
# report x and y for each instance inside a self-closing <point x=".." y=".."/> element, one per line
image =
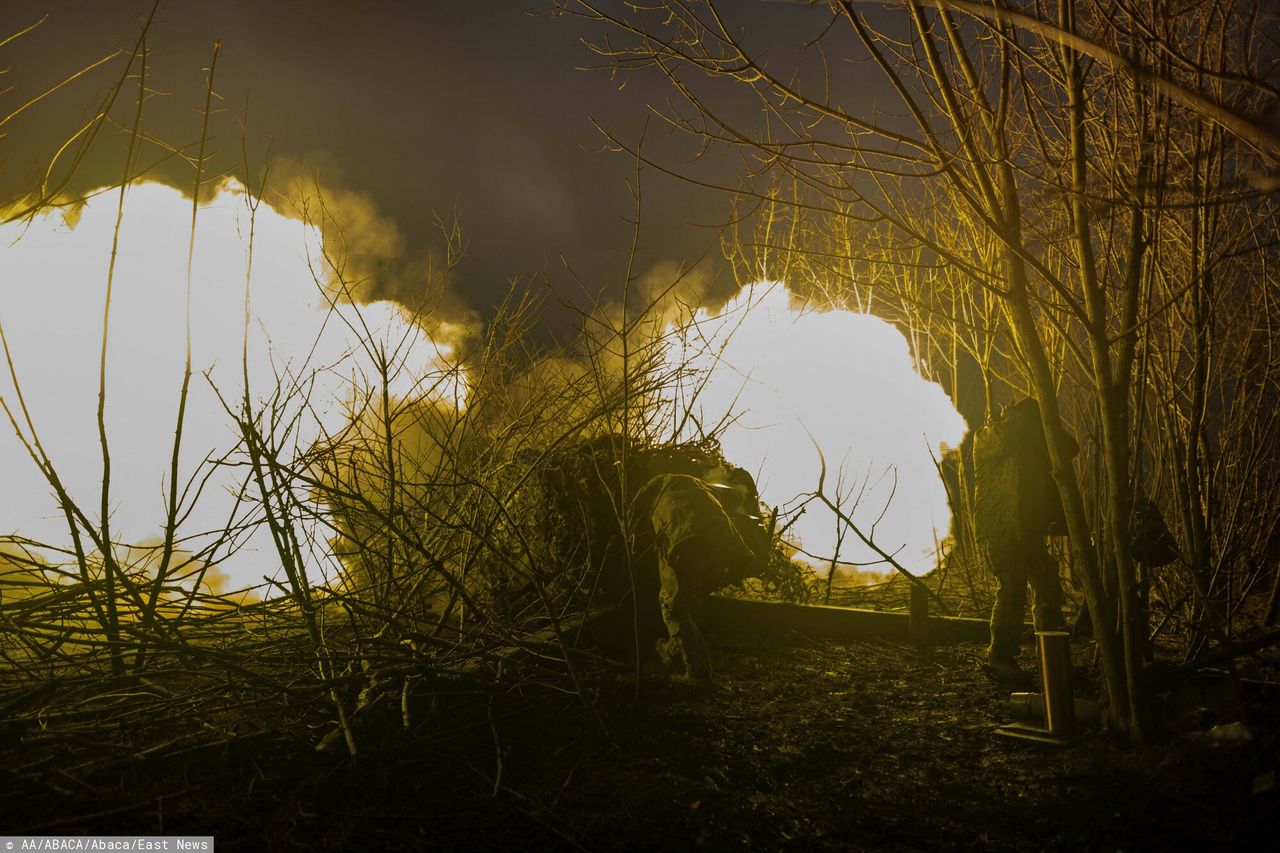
<point x="53" y="274"/>
<point x="794" y="378"/>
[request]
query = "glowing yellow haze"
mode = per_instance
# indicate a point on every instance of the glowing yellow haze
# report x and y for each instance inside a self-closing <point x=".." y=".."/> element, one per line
<point x="52" y="284"/>
<point x="848" y="381"/>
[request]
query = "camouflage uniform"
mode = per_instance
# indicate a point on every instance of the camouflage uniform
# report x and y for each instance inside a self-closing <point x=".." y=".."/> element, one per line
<point x="1016" y="505"/>
<point x="1153" y="544"/>
<point x="706" y="537"/>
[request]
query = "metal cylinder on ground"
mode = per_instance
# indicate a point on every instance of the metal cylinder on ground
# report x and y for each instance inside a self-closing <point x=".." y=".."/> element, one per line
<point x="1055" y="681"/>
<point x="1031" y="705"/>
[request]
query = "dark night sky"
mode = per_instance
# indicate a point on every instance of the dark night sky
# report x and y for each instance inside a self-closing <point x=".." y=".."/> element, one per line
<point x="421" y="105"/>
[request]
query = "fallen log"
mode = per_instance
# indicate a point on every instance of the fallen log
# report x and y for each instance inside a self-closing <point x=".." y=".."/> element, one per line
<point x="1226" y="653"/>
<point x="611" y="630"/>
<point x="739" y="615"/>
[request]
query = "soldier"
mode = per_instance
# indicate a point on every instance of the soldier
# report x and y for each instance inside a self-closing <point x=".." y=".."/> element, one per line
<point x="706" y="536"/>
<point x="1016" y="505"/>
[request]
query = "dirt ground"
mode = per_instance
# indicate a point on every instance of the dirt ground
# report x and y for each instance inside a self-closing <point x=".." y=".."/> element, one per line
<point x="799" y="745"/>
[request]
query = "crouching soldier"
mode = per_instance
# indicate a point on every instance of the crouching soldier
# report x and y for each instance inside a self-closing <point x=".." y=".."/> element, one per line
<point x="1016" y="505"/>
<point x="706" y="536"/>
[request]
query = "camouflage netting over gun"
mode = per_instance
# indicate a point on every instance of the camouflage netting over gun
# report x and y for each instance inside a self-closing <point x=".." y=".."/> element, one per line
<point x="586" y="514"/>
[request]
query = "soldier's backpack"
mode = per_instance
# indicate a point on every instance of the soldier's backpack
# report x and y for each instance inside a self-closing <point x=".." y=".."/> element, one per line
<point x="1014" y="491"/>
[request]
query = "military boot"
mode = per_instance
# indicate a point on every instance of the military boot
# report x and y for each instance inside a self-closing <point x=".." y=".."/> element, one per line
<point x="1004" y="670"/>
<point x="669" y="652"/>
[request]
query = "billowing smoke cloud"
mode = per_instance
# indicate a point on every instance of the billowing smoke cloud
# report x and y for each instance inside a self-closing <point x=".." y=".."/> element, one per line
<point x="671" y="292"/>
<point x="364" y="257"/>
<point x="300" y="339"/>
<point x="789" y="378"/>
<point x="625" y="336"/>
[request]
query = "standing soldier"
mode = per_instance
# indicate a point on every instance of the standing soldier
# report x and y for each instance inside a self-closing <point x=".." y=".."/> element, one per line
<point x="706" y="536"/>
<point x="1016" y="505"/>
